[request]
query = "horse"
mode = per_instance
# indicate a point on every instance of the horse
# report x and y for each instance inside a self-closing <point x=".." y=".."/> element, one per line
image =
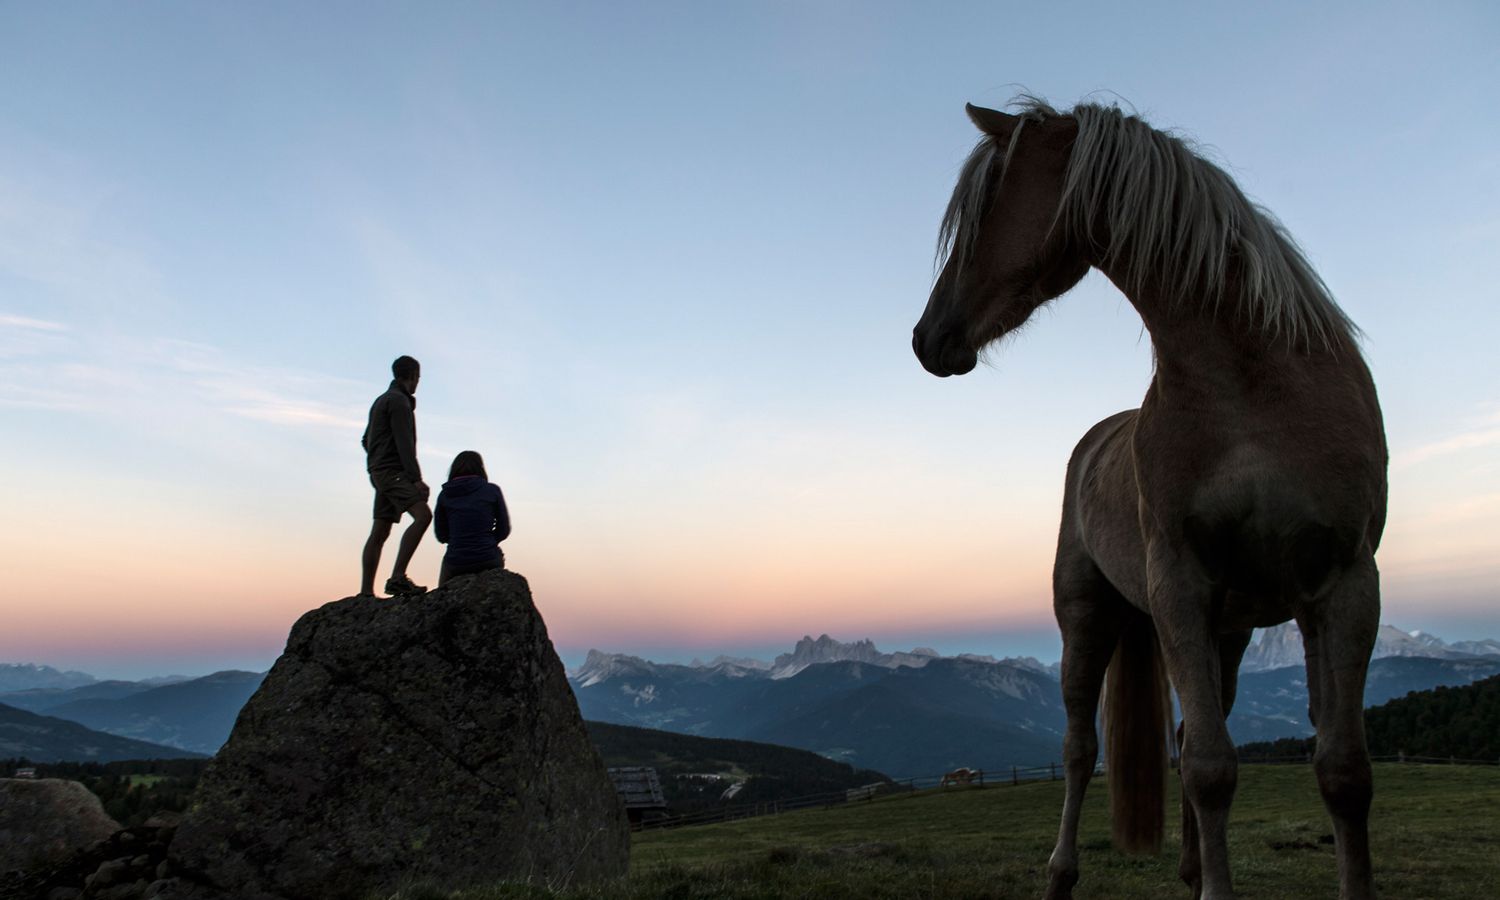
<point x="1248" y="489"/>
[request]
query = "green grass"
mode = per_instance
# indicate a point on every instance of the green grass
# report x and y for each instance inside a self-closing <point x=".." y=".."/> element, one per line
<point x="145" y="780"/>
<point x="1435" y="832"/>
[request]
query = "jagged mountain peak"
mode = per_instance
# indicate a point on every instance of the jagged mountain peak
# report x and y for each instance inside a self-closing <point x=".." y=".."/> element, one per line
<point x="30" y="676"/>
<point x="730" y="663"/>
<point x="824" y="649"/>
<point x="1281" y="646"/>
<point x="600" y="666"/>
<point x="808" y="651"/>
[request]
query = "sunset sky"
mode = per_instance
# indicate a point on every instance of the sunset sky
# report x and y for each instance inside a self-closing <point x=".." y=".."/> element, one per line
<point x="660" y="262"/>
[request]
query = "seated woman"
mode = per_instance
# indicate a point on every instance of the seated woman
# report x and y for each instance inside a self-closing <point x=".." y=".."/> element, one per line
<point x="471" y="519"/>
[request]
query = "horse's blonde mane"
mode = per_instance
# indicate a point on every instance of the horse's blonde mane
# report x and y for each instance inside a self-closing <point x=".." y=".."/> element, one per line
<point x="1172" y="217"/>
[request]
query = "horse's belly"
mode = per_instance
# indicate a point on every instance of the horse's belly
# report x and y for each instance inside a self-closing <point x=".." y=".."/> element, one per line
<point x="1242" y="612"/>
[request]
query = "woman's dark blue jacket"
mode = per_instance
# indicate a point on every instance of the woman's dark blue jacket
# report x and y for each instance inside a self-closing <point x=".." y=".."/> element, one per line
<point x="472" y="520"/>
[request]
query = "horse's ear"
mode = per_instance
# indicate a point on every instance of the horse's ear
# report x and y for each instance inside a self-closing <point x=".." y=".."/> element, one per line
<point x="991" y="121"/>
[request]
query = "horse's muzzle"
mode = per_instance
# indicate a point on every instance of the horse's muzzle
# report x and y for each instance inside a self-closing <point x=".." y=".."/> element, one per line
<point x="943" y="357"/>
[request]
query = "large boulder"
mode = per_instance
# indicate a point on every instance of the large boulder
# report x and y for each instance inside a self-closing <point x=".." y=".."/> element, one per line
<point x="427" y="740"/>
<point x="45" y="820"/>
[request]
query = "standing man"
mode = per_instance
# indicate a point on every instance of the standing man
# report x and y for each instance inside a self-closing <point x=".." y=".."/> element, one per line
<point x="390" y="444"/>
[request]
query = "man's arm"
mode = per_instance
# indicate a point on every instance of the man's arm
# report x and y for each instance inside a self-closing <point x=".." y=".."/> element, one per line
<point x="404" y="433"/>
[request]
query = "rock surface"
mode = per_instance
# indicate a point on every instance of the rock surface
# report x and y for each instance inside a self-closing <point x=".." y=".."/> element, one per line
<point x="426" y="740"/>
<point x="123" y="867"/>
<point x="44" y="821"/>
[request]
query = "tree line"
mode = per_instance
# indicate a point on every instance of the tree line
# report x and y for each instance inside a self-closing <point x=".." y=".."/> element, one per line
<point x="132" y="791"/>
<point x="1461" y="722"/>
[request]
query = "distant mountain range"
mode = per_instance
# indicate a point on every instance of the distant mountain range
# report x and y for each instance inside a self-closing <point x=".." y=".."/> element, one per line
<point x="194" y="714"/>
<point x="913" y="712"/>
<point x="1281" y="646"/>
<point x="44" y="739"/>
<point x="899" y="719"/>
<point x="26" y="677"/>
<point x="921" y="713"/>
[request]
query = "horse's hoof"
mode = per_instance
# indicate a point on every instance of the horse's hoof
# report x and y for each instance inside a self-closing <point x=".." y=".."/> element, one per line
<point x="1060" y="886"/>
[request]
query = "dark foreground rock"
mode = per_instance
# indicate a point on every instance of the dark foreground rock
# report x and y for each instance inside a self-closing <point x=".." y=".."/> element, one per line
<point x="430" y="740"/>
<point x="127" y="865"/>
<point x="44" y="821"/>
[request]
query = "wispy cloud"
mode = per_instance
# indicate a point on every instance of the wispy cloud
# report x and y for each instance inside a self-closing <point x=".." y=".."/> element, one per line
<point x="28" y="324"/>
<point x="1484" y="432"/>
<point x="24" y="337"/>
<point x="276" y="396"/>
<point x="107" y="373"/>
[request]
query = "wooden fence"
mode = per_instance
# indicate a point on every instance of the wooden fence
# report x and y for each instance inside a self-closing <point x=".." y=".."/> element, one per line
<point x="925" y="785"/>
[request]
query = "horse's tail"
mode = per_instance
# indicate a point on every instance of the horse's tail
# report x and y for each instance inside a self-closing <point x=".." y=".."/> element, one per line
<point x="1137" y="709"/>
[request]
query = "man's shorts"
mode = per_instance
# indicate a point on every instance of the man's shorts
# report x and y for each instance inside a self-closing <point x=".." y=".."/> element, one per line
<point x="394" y="495"/>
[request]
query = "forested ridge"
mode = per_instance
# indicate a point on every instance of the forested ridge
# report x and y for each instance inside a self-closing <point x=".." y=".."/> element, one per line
<point x="1461" y="722"/>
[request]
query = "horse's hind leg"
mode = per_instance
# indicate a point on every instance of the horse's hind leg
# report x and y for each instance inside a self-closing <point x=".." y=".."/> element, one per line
<point x="1089" y="612"/>
<point x="1340" y="630"/>
<point x="1231" y="652"/>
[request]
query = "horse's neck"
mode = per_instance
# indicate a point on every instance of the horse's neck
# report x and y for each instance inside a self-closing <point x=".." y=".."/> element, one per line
<point x="1220" y="349"/>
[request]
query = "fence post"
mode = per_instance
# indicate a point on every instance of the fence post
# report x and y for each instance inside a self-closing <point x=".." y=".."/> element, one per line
<point x="981" y="778"/>
<point x="1015" y="777"/>
<point x="1053" y="766"/>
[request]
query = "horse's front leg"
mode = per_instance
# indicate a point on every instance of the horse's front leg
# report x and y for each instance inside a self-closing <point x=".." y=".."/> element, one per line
<point x="1231" y="652"/>
<point x="1181" y="599"/>
<point x="1088" y="613"/>
<point x="1339" y="630"/>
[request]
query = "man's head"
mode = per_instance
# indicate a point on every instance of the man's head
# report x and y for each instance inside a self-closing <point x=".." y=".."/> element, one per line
<point x="407" y="372"/>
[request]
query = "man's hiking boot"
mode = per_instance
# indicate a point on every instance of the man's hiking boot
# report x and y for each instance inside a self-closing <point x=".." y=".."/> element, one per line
<point x="403" y="587"/>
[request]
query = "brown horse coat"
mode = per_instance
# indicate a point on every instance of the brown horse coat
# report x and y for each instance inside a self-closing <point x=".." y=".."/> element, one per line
<point x="1248" y="489"/>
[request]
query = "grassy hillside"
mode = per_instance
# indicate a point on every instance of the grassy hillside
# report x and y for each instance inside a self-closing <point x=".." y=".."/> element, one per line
<point x="1435" y="835"/>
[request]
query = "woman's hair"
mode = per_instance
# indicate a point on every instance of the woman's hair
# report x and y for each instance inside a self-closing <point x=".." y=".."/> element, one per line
<point x="468" y="462"/>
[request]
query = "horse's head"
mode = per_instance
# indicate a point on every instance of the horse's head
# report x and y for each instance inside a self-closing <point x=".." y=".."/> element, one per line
<point x="1007" y="253"/>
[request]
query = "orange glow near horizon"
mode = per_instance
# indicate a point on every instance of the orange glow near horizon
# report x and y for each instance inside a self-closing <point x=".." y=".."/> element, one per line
<point x="803" y="554"/>
<point x="846" y="569"/>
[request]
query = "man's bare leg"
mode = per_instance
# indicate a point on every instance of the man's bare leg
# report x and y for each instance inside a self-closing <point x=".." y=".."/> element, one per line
<point x="411" y="537"/>
<point x="379" y="531"/>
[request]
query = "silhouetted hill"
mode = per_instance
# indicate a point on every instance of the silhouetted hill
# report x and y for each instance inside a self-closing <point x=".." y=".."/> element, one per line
<point x="26" y="735"/>
<point x="194" y="715"/>
<point x="769" y="772"/>
<point x="40" y="700"/>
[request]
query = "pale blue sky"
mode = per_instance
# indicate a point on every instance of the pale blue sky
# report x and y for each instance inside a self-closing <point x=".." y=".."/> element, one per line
<point x="661" y="263"/>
